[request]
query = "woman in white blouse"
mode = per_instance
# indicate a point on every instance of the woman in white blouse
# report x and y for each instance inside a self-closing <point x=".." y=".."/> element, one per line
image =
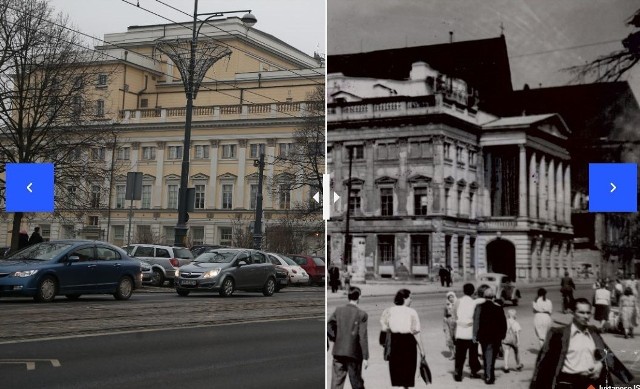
<point x="404" y="325"/>
<point x="542" y="309"/>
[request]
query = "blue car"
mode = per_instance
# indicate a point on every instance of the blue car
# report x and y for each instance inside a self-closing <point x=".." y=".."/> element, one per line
<point x="70" y="268"/>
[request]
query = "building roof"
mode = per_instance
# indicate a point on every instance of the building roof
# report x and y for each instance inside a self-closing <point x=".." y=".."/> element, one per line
<point x="482" y="63"/>
<point x="517" y="121"/>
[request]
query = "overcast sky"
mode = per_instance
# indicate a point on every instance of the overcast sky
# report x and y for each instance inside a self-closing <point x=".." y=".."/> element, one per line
<point x="298" y="23"/>
<point x="541" y="34"/>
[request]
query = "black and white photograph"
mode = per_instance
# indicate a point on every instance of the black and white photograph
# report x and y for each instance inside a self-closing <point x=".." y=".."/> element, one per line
<point x="483" y="159"/>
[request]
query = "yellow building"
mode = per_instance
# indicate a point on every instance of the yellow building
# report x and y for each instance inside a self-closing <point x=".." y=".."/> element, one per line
<point x="251" y="100"/>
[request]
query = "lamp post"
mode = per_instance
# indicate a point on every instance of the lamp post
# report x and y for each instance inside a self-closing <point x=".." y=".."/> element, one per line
<point x="192" y="73"/>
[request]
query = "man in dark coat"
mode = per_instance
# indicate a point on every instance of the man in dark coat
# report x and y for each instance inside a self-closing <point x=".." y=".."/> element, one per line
<point x="347" y="328"/>
<point x="35" y="236"/>
<point x="334" y="277"/>
<point x="443" y="274"/>
<point x="23" y="239"/>
<point x="575" y="356"/>
<point x="566" y="288"/>
<point x="489" y="328"/>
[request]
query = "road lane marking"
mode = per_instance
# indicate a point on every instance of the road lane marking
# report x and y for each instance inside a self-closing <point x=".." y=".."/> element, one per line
<point x="30" y="363"/>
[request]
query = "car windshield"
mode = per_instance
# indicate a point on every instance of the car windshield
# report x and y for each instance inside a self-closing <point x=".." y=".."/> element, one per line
<point x="216" y="257"/>
<point x="41" y="251"/>
<point x="289" y="261"/>
<point x="318" y="261"/>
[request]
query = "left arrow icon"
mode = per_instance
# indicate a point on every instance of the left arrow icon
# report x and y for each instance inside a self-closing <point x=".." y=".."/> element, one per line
<point x="29" y="187"/>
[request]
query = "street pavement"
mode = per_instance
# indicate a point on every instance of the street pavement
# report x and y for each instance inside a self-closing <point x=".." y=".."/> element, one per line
<point x="429" y="301"/>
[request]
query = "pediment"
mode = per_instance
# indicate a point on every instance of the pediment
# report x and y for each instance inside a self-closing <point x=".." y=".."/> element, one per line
<point x="172" y="177"/>
<point x="449" y="181"/>
<point x="200" y="176"/>
<point x="227" y="176"/>
<point x="419" y="178"/>
<point x="354" y="181"/>
<point x="386" y="180"/>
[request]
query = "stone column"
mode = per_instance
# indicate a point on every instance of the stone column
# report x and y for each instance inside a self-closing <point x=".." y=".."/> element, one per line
<point x="370" y="195"/>
<point x="534" y="259"/>
<point x="542" y="186"/>
<point x="522" y="187"/>
<point x="438" y="179"/>
<point x="213" y="172"/>
<point x="488" y="211"/>
<point x="567" y="194"/>
<point x="402" y="191"/>
<point x="269" y="160"/>
<point x="551" y="180"/>
<point x="156" y="197"/>
<point x="533" y="187"/>
<point x="559" y="194"/>
<point x="239" y="200"/>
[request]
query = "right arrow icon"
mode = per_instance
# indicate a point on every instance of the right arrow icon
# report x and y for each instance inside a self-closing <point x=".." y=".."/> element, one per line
<point x="613" y="187"/>
<point x="335" y="197"/>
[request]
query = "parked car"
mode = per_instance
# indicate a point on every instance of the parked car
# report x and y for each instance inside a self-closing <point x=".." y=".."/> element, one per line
<point x="297" y="275"/>
<point x="282" y="278"/>
<point x="147" y="273"/>
<point x="505" y="289"/>
<point x="315" y="267"/>
<point x="71" y="268"/>
<point x="201" y="248"/>
<point x="164" y="260"/>
<point x="225" y="271"/>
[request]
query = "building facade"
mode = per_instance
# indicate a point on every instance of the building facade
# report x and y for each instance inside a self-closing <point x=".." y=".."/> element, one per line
<point x="427" y="179"/>
<point x="250" y="102"/>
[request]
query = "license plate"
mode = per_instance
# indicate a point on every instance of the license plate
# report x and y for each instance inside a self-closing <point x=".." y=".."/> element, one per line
<point x="188" y="282"/>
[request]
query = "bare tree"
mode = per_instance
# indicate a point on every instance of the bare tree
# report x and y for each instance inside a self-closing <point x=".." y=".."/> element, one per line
<point x="293" y="232"/>
<point x="53" y="93"/>
<point x="242" y="235"/>
<point x="613" y="66"/>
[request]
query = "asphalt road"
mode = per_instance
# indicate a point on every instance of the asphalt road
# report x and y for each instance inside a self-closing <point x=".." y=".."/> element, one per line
<point x="273" y="354"/>
<point x="430" y="308"/>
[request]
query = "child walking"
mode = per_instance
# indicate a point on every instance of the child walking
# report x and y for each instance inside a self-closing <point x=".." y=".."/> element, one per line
<point x="512" y="340"/>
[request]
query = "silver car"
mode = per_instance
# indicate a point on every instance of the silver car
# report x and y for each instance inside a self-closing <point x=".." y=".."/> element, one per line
<point x="227" y="270"/>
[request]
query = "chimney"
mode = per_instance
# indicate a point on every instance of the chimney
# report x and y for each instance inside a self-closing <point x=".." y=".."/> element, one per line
<point x="450" y="36"/>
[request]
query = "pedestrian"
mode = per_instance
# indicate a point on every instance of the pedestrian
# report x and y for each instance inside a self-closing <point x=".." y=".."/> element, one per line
<point x="628" y="313"/>
<point x="573" y="356"/>
<point x="449" y="324"/>
<point x="442" y="273"/>
<point x="464" y="333"/>
<point x="618" y="290"/>
<point x="566" y="288"/>
<point x="512" y="341"/>
<point x="347" y="281"/>
<point x="334" y="277"/>
<point x="542" y="309"/>
<point x="489" y="328"/>
<point x="23" y="239"/>
<point x="35" y="236"/>
<point x="449" y="276"/>
<point x="601" y="301"/>
<point x="404" y="326"/>
<point x="347" y="328"/>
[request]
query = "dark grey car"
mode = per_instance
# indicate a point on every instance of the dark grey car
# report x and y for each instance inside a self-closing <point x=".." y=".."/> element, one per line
<point x="227" y="270"/>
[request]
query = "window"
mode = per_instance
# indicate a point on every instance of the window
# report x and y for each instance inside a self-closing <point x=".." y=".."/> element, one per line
<point x="169" y="234"/>
<point x="71" y="195"/>
<point x="95" y="196"/>
<point x="253" y="196"/>
<point x="123" y="154"/>
<point x="84" y="254"/>
<point x="227" y="196"/>
<point x="447" y="151"/>
<point x="102" y="80"/>
<point x="118" y="236"/>
<point x="284" y="149"/>
<point x="387" y="151"/>
<point x="45" y="232"/>
<point x="285" y="196"/>
<point x="386" y="201"/>
<point x="100" y="108"/>
<point x="386" y="249"/>
<point x="228" y="151"/>
<point x="97" y="154"/>
<point x="107" y="254"/>
<point x="144" y="103"/>
<point x="460" y="252"/>
<point x="202" y="152"/>
<point x="143" y="232"/>
<point x="460" y="154"/>
<point x="146" y="196"/>
<point x="77" y="84"/>
<point x="149" y="153"/>
<point x="172" y="197"/>
<point x="76" y="154"/>
<point x="226" y="234"/>
<point x="420" y="250"/>
<point x="357" y="152"/>
<point x="354" y="201"/>
<point x="197" y="235"/>
<point x="256" y="149"/>
<point x="68" y="232"/>
<point x="120" y="194"/>
<point x="199" y="197"/>
<point x="316" y="148"/>
<point x="76" y="105"/>
<point x="472" y="158"/>
<point x="175" y="152"/>
<point x="420" y="201"/>
<point x="94" y="221"/>
<point x="162" y="253"/>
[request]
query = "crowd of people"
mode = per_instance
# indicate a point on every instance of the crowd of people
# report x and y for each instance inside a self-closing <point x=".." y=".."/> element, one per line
<point x="570" y="356"/>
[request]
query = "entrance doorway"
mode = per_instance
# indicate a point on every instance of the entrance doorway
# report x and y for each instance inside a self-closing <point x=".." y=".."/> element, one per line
<point x="501" y="258"/>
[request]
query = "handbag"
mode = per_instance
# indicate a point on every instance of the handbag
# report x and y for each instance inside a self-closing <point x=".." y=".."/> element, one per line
<point x="425" y="372"/>
<point x="385" y="341"/>
<point x="510" y="337"/>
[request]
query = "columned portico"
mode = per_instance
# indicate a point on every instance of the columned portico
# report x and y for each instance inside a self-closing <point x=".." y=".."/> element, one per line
<point x="551" y="199"/>
<point x="559" y="194"/>
<point x="522" y="185"/>
<point x="542" y="201"/>
<point x="533" y="187"/>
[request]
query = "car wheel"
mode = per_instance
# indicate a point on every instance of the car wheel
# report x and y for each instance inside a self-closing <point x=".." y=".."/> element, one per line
<point x="73" y="297"/>
<point x="227" y="287"/>
<point x="183" y="292"/>
<point x="157" y="278"/>
<point x="124" y="290"/>
<point x="46" y="290"/>
<point x="269" y="287"/>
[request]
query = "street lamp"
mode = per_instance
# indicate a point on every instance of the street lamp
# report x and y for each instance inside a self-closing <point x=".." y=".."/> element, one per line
<point x="192" y="73"/>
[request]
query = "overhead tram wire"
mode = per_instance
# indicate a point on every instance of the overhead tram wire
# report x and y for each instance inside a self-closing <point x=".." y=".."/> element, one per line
<point x="166" y="74"/>
<point x="208" y="22"/>
<point x="217" y="40"/>
<point x="564" y="48"/>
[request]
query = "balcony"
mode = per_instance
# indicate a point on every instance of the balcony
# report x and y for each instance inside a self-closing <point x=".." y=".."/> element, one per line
<point x="216" y="112"/>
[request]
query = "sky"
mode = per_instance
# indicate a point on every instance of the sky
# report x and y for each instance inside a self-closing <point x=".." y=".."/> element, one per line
<point x="298" y="23"/>
<point x="541" y="35"/>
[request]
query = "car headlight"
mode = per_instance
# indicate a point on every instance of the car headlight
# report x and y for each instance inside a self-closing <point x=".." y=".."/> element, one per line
<point x="25" y="273"/>
<point x="211" y="273"/>
<point x="177" y="274"/>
